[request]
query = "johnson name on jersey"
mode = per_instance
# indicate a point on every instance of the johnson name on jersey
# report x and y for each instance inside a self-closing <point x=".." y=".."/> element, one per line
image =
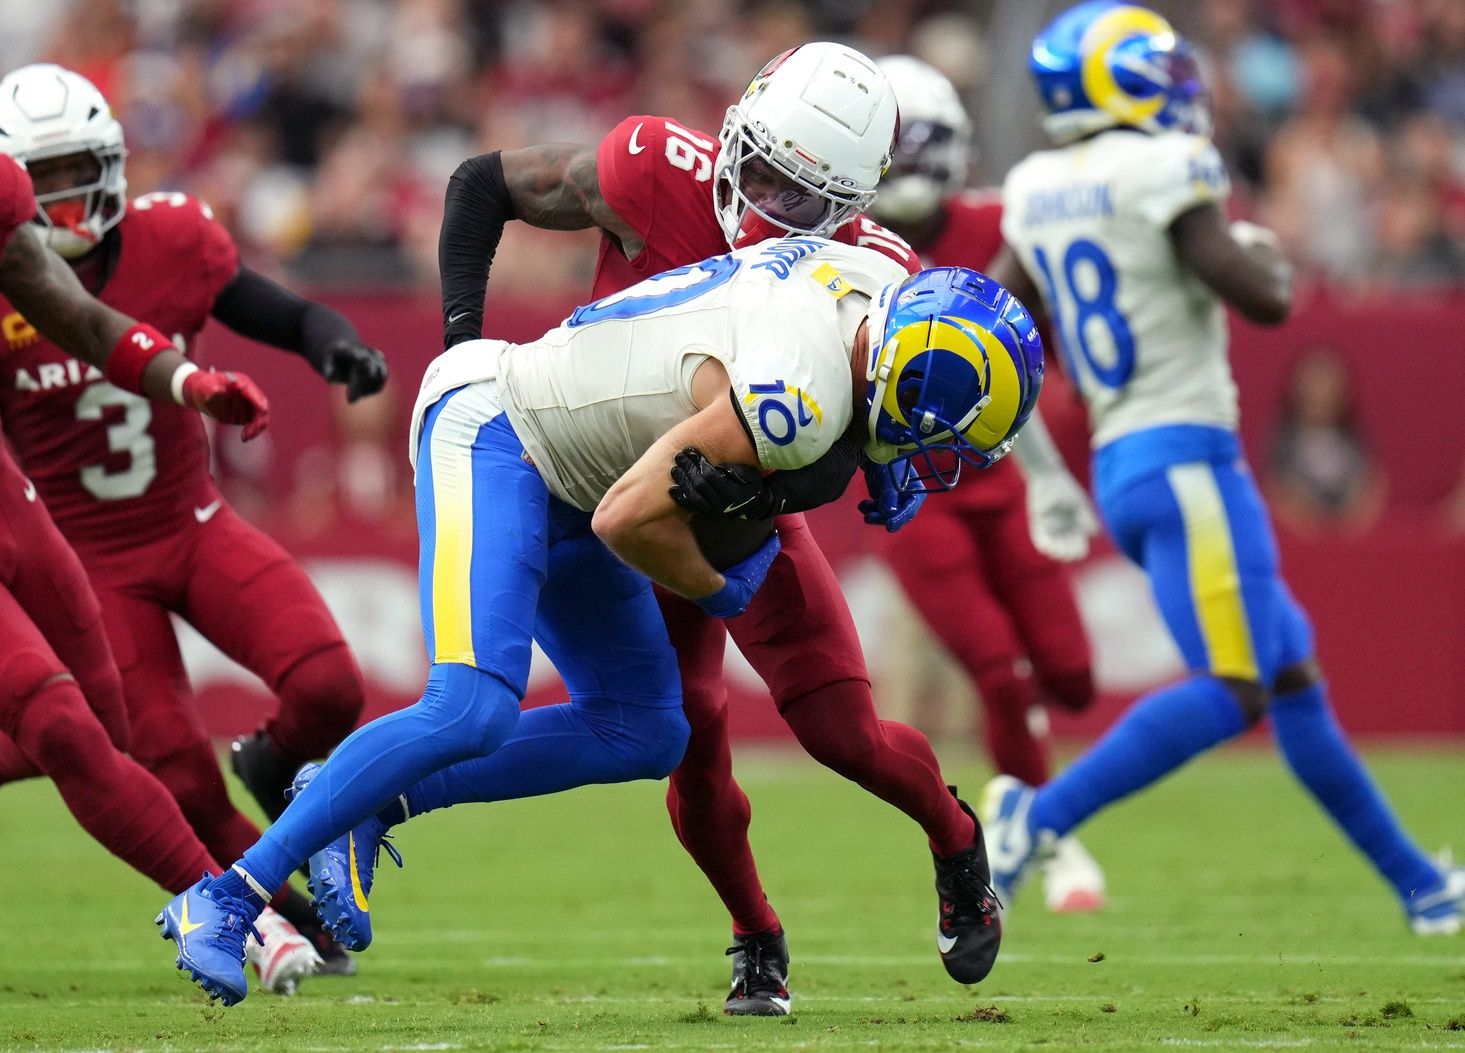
<point x="84" y="441"/>
<point x="1142" y="337"/>
<point x="589" y="398"/>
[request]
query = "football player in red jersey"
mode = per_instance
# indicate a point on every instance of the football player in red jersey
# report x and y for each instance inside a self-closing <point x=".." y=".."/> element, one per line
<point x="128" y="482"/>
<point x="800" y="153"/>
<point x="1004" y="609"/>
<point x="62" y="712"/>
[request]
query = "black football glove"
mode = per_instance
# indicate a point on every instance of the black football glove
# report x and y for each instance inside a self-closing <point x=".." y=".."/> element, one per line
<point x="362" y="369"/>
<point x="730" y="490"/>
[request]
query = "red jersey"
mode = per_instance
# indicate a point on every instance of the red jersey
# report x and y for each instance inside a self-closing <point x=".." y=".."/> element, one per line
<point x="115" y="469"/>
<point x="971" y="236"/>
<point x="657" y="176"/>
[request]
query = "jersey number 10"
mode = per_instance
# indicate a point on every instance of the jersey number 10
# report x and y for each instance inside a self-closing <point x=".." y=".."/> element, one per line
<point x="1073" y="325"/>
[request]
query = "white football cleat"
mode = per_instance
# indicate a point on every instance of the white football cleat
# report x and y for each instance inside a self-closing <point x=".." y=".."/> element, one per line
<point x="1441" y="913"/>
<point x="1072" y="881"/>
<point x="284" y="959"/>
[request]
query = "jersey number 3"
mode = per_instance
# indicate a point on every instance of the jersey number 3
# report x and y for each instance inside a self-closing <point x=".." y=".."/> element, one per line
<point x="127" y="436"/>
<point x="1080" y="308"/>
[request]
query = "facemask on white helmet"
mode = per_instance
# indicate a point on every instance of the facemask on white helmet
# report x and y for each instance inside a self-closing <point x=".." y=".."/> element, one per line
<point x="804" y="147"/>
<point x="59" y="126"/>
<point x="935" y="144"/>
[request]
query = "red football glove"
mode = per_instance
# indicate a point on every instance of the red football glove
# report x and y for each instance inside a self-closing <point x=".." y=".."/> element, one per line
<point x="230" y="398"/>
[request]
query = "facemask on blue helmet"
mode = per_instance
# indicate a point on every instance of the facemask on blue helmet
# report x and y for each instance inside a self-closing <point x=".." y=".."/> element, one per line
<point x="954" y="372"/>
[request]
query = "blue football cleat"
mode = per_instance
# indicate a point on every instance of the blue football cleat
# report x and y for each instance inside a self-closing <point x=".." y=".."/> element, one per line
<point x="210" y="928"/>
<point x="341" y="874"/>
<point x="1440" y="911"/>
<point x="1012" y="848"/>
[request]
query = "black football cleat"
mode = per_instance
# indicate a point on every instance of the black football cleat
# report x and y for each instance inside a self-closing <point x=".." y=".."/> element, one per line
<point x="759" y="976"/>
<point x="969" y="926"/>
<point x="265" y="772"/>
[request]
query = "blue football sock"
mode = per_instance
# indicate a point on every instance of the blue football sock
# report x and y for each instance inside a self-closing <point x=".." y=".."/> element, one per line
<point x="1158" y="734"/>
<point x="554" y="748"/>
<point x="463" y="713"/>
<point x="1322" y="760"/>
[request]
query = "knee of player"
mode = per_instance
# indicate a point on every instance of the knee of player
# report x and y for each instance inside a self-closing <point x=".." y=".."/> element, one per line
<point x="662" y="736"/>
<point x="1297" y="677"/>
<point x="480" y="708"/>
<point x="328" y="682"/>
<point x="24" y="674"/>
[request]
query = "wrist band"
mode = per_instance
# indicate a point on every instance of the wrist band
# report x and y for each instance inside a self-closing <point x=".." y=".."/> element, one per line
<point x="181" y="374"/>
<point x="131" y="354"/>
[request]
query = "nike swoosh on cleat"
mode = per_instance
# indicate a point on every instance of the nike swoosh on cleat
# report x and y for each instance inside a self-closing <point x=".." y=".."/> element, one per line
<point x="944" y="943"/>
<point x="30" y="490"/>
<point x="204" y="514"/>
<point x="357" y="892"/>
<point x="632" y="146"/>
<point x="184" y="925"/>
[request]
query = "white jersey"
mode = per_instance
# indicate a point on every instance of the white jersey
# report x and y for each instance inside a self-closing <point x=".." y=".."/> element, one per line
<point x="1142" y="337"/>
<point x="589" y="398"/>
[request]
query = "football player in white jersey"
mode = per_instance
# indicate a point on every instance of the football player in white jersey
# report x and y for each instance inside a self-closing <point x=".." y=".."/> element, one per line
<point x="542" y="491"/>
<point x="1118" y="232"/>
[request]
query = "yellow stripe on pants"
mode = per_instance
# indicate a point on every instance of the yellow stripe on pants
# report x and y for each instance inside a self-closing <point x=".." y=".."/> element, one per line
<point x="1215" y="583"/>
<point x="452" y="597"/>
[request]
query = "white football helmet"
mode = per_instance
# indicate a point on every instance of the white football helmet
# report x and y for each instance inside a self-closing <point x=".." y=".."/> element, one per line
<point x="47" y="111"/>
<point x="804" y="147"/>
<point x="935" y="144"/>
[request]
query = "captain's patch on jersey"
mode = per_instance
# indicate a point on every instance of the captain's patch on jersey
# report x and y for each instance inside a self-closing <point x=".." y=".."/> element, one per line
<point x="827" y="276"/>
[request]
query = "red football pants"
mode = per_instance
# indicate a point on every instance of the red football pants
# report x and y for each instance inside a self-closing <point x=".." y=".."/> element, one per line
<point x="245" y="594"/>
<point x="799" y="636"/>
<point x="51" y="650"/>
<point x="1005" y="611"/>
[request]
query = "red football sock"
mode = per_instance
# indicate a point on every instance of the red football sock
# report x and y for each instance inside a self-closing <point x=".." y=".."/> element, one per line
<point x="710" y="814"/>
<point x="111" y="795"/>
<point x="192" y="776"/>
<point x="838" y="726"/>
<point x="1007" y="698"/>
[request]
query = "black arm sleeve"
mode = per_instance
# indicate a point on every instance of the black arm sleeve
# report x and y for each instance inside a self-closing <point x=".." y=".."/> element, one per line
<point x="816" y="484"/>
<point x="477" y="206"/>
<point x="266" y="311"/>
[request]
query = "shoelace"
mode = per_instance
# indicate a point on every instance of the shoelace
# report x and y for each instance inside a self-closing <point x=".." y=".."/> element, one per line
<point x="384" y="843"/>
<point x="753" y="951"/>
<point x="236" y="930"/>
<point x="967" y="888"/>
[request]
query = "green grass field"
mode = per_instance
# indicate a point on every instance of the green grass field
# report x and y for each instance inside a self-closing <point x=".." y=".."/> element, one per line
<point x="1237" y="919"/>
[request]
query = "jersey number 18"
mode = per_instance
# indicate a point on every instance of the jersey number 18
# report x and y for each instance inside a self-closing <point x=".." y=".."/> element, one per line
<point x="1073" y="324"/>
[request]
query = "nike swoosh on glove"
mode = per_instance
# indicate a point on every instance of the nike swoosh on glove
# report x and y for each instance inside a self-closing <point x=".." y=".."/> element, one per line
<point x="742" y="581"/>
<point x="730" y="490"/>
<point x="229" y="398"/>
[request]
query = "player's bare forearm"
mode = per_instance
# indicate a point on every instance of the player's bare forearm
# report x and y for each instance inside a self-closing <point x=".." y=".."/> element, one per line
<point x="557" y="187"/>
<point x="1256" y="281"/>
<point x="638" y="520"/>
<point x="45" y="290"/>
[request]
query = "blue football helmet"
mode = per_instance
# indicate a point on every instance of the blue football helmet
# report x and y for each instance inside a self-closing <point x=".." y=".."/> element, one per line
<point x="954" y="371"/>
<point x="1104" y="64"/>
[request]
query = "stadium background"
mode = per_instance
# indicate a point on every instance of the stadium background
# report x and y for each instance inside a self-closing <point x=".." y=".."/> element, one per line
<point x="322" y="133"/>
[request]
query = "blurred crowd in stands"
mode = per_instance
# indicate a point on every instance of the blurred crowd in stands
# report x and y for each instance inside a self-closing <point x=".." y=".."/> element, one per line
<point x="323" y="131"/>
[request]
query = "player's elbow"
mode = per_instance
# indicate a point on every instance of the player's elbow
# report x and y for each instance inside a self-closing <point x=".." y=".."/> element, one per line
<point x="615" y="519"/>
<point x="1269" y="308"/>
